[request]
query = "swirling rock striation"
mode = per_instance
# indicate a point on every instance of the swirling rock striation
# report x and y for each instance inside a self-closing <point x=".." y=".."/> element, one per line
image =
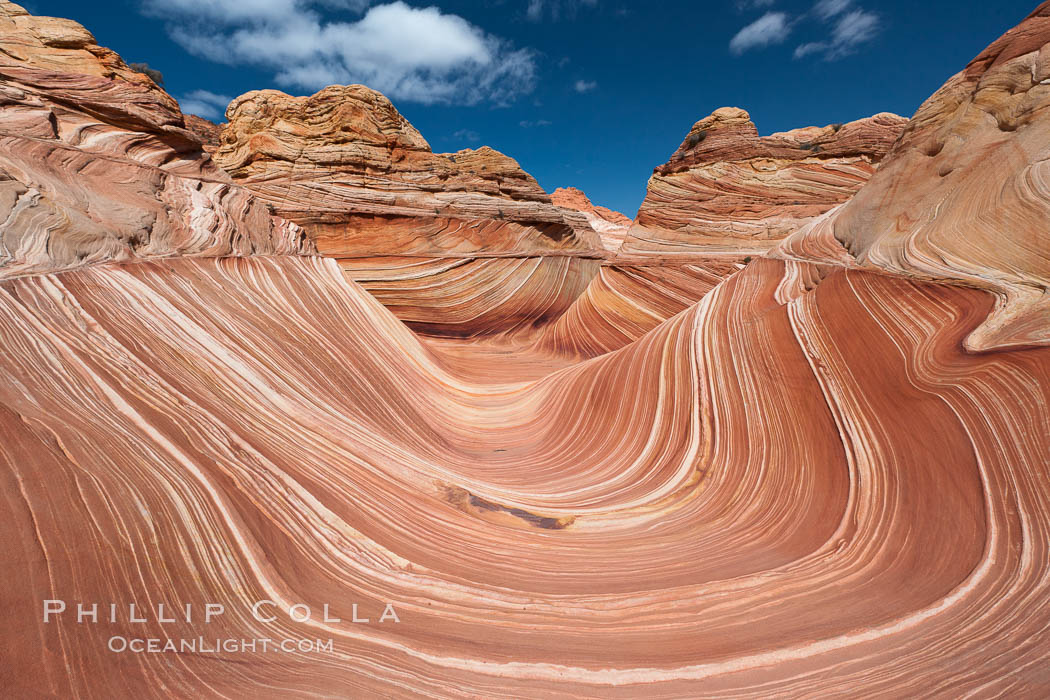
<point x="364" y="184"/>
<point x="965" y="193"/>
<point x="611" y="225"/>
<point x="803" y="485"/>
<point x="96" y="163"/>
<point x="728" y="189"/>
<point x="725" y="196"/>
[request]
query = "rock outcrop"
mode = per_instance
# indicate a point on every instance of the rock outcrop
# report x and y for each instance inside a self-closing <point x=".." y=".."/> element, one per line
<point x="234" y="473"/>
<point x="350" y="169"/>
<point x="965" y="194"/>
<point x="611" y="225"/>
<point x="727" y="189"/>
<point x="462" y="239"/>
<point x="726" y="196"/>
<point x="96" y="163"/>
<point x="208" y="132"/>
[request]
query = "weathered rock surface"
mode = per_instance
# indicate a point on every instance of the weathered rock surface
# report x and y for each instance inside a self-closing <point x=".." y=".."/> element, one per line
<point x="208" y="132"/>
<point x="611" y="225"/>
<point x="804" y="485"/>
<point x="350" y="169"/>
<point x="728" y="189"/>
<point x="965" y="194"/>
<point x="475" y="245"/>
<point x="96" y="163"/>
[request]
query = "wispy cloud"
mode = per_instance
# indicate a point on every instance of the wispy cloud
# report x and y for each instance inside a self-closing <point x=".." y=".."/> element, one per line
<point x="408" y="53"/>
<point x="584" y="85"/>
<point x="851" y="29"/>
<point x="770" y="28"/>
<point x="526" y="124"/>
<point x="753" y="4"/>
<point x="826" y="9"/>
<point x="467" y="135"/>
<point x="555" y="9"/>
<point x="205" y="104"/>
<point x="847" y="25"/>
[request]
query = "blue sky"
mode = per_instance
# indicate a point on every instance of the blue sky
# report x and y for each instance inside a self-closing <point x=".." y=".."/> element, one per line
<point x="591" y="93"/>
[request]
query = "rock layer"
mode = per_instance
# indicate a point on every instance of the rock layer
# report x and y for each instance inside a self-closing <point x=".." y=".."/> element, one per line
<point x="96" y="163"/>
<point x="346" y="165"/>
<point x="728" y="189"/>
<point x="965" y="194"/>
<point x="803" y="485"/>
<point x="611" y="225"/>
<point x="364" y="184"/>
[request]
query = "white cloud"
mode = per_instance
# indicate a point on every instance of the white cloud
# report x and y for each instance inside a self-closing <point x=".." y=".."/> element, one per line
<point x="850" y="31"/>
<point x="205" y="104"/>
<point x="770" y="28"/>
<point x="826" y="9"/>
<point x="530" y="124"/>
<point x="584" y="85"/>
<point x="556" y="9"/>
<point x="417" y="54"/>
<point x="810" y="47"/>
<point x="467" y="135"/>
<point x="855" y="28"/>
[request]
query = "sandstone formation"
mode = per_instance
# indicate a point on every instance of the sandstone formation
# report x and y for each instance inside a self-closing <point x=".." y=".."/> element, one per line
<point x="365" y="185"/>
<point x="966" y="193"/>
<point x="611" y="225"/>
<point x="624" y="302"/>
<point x="208" y="132"/>
<point x="96" y="163"/>
<point x="725" y="196"/>
<point x="804" y="484"/>
<point x="344" y="163"/>
<point x="727" y="189"/>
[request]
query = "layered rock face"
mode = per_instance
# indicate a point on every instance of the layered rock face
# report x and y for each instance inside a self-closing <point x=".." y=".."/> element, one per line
<point x="611" y="225"/>
<point x="783" y="489"/>
<point x="726" y="189"/>
<point x="344" y="162"/>
<point x="935" y="214"/>
<point x="96" y="162"/>
<point x="208" y="132"/>
<point x="463" y="239"/>
<point x="725" y="196"/>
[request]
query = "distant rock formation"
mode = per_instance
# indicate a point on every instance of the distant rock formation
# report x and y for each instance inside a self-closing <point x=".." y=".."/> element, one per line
<point x="456" y="244"/>
<point x="727" y="189"/>
<point x="349" y="168"/>
<point x="207" y="131"/>
<point x="726" y="196"/>
<point x="611" y="225"/>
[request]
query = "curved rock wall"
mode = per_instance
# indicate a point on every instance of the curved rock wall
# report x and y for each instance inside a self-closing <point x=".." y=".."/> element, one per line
<point x="804" y="484"/>
<point x="965" y="195"/>
<point x="365" y="185"/>
<point x="728" y="189"/>
<point x="96" y="163"/>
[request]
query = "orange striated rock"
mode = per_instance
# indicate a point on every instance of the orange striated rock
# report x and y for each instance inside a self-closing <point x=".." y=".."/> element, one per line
<point x="208" y="132"/>
<point x="476" y="243"/>
<point x="802" y="485"/>
<point x="728" y="189"/>
<point x="965" y="194"/>
<point x="624" y="302"/>
<point x="96" y="163"/>
<point x="611" y="225"/>
<point x="344" y="163"/>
